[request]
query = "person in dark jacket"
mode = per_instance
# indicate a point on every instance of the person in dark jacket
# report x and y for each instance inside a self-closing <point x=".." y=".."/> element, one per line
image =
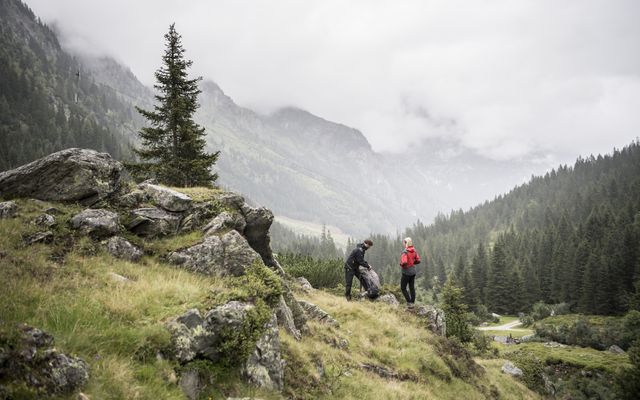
<point x="408" y="261"/>
<point x="355" y="260"/>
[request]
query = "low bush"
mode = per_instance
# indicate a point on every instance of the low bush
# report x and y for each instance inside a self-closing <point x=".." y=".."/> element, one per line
<point x="319" y="273"/>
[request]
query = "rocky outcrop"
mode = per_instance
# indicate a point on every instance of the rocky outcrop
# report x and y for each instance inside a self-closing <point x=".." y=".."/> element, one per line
<point x="265" y="367"/>
<point x="304" y="284"/>
<point x="8" y="209"/>
<point x="197" y="337"/>
<point x="436" y="320"/>
<point x="389" y="299"/>
<point x="153" y="222"/>
<point x="132" y="199"/>
<point x="166" y="198"/>
<point x="33" y="361"/>
<point x="615" y="349"/>
<point x="226" y="255"/>
<point x="509" y="368"/>
<point x="96" y="223"/>
<point x="198" y="215"/>
<point x="225" y="221"/>
<point x="317" y="313"/>
<point x="45" y="221"/>
<point x="38" y="237"/>
<point x="286" y="320"/>
<point x="79" y="175"/>
<point x="120" y="247"/>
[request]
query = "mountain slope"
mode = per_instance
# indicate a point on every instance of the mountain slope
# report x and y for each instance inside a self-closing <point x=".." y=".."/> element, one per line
<point x="48" y="100"/>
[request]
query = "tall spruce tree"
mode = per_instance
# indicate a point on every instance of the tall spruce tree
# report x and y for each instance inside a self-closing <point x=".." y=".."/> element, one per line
<point x="173" y="146"/>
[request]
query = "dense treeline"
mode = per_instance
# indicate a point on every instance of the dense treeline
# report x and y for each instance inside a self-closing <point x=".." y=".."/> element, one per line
<point x="286" y="241"/>
<point x="48" y="102"/>
<point x="571" y="236"/>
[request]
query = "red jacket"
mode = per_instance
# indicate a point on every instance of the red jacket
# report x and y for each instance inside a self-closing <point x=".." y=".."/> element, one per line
<point x="409" y="258"/>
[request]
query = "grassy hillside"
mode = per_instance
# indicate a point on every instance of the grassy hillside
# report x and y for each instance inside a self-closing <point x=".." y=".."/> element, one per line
<point x="68" y="288"/>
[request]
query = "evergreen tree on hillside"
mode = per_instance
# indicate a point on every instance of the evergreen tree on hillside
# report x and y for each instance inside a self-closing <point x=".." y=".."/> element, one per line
<point x="498" y="290"/>
<point x="173" y="146"/>
<point x="479" y="273"/>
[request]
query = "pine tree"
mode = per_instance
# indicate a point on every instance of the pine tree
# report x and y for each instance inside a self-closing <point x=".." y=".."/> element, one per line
<point x="498" y="282"/>
<point x="455" y="310"/>
<point x="173" y="146"/>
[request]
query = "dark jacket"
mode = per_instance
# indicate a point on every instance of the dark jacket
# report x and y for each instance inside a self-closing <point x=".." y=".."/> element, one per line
<point x="408" y="260"/>
<point x="356" y="258"/>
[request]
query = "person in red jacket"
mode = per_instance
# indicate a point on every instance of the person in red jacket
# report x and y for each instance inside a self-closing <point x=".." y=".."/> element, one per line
<point x="408" y="261"/>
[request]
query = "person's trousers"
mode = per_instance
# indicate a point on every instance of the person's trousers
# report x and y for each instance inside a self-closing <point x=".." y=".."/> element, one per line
<point x="410" y="296"/>
<point x="349" y="273"/>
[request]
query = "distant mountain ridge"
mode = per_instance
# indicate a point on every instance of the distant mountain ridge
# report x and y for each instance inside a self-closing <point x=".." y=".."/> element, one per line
<point x="300" y="165"/>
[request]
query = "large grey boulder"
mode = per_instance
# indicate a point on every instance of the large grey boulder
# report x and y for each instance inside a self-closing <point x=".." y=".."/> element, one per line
<point x="224" y="221"/>
<point x="304" y="284"/>
<point x="34" y="362"/>
<point x="132" y="199"/>
<point x="120" y="247"/>
<point x="153" y="222"/>
<point x="97" y="223"/>
<point x="317" y="313"/>
<point x="226" y="255"/>
<point x="80" y="175"/>
<point x="265" y="367"/>
<point x="198" y="215"/>
<point x="8" y="209"/>
<point x="166" y="198"/>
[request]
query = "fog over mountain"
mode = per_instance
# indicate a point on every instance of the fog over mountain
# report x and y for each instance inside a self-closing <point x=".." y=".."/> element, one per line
<point x="504" y="79"/>
<point x="369" y="118"/>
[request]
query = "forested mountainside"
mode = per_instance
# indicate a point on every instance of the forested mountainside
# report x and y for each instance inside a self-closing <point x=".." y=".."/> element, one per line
<point x="572" y="235"/>
<point x="48" y="99"/>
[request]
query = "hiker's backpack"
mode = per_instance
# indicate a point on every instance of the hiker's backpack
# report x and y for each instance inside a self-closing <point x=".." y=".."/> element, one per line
<point x="370" y="281"/>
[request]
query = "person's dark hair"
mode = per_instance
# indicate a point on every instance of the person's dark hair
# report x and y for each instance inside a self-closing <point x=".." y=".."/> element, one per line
<point x="368" y="242"/>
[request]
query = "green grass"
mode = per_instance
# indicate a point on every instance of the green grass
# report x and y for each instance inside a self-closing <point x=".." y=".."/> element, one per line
<point x="570" y="319"/>
<point x="505" y="319"/>
<point x="516" y="333"/>
<point x="585" y="358"/>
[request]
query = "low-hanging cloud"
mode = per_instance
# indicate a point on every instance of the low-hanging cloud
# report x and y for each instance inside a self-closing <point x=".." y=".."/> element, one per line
<point x="508" y="79"/>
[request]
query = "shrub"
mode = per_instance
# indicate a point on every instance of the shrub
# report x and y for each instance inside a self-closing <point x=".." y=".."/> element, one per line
<point x="319" y="273"/>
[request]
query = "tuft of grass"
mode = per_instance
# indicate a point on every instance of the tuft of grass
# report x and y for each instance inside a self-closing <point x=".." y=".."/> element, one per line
<point x="198" y="193"/>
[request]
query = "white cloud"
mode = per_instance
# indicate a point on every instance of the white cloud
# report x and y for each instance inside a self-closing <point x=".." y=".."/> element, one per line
<point x="507" y="78"/>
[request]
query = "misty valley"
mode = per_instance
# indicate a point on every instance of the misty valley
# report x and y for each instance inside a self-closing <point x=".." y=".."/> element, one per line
<point x="161" y="241"/>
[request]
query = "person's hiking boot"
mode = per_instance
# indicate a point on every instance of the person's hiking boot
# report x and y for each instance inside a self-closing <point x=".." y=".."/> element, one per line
<point x="348" y="297"/>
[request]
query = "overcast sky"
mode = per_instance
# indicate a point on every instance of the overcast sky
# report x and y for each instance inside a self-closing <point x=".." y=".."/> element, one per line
<point x="509" y="79"/>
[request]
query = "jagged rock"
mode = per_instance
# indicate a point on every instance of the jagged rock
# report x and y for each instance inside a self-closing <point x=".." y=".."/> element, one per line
<point x="96" y="223"/>
<point x="133" y="199"/>
<point x="388" y="373"/>
<point x="45" y="221"/>
<point x="191" y="318"/>
<point x="259" y="221"/>
<point x="39" y="237"/>
<point x="8" y="209"/>
<point x="226" y="255"/>
<point x="265" y="367"/>
<point x="315" y="312"/>
<point x="80" y="175"/>
<point x="198" y="215"/>
<point x="191" y="384"/>
<point x="166" y="198"/>
<point x="120" y="247"/>
<point x="436" y="319"/>
<point x="153" y="222"/>
<point x="304" y="284"/>
<point x="226" y="220"/>
<point x="299" y="315"/>
<point x="285" y="319"/>
<point x="33" y="362"/>
<point x="231" y="200"/>
<point x="389" y="298"/>
<point x="509" y="368"/>
<point x="615" y="349"/>
<point x="203" y="340"/>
